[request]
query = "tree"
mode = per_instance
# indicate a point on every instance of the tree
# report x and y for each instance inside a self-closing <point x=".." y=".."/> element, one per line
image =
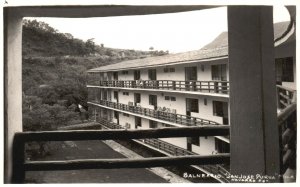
<point x="90" y="45"/>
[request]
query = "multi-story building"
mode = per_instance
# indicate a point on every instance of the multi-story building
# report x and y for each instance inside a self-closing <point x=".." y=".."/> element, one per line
<point x="176" y="90"/>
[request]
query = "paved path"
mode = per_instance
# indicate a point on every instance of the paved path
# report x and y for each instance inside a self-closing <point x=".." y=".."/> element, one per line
<point x="91" y="149"/>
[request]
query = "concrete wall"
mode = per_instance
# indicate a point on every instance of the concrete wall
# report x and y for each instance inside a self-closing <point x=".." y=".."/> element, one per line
<point x="124" y="77"/>
<point x="180" y="142"/>
<point x="206" y="111"/>
<point x="124" y="119"/>
<point x="124" y="99"/>
<point x="179" y="74"/>
<point x="207" y="146"/>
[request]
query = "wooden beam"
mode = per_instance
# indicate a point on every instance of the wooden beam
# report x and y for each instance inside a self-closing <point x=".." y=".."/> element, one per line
<point x="73" y="135"/>
<point x="126" y="163"/>
<point x="86" y="11"/>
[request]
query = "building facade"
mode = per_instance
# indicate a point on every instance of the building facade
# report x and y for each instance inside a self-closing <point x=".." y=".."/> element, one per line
<point x="177" y="90"/>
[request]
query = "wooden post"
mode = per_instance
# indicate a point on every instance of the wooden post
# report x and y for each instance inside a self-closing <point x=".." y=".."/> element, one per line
<point x="18" y="171"/>
<point x="254" y="133"/>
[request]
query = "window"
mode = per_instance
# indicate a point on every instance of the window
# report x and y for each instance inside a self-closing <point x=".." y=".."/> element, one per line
<point x="218" y="108"/>
<point x="115" y="75"/>
<point x="137" y="98"/>
<point x="124" y="72"/>
<point x="125" y="93"/>
<point x="104" y="95"/>
<point x="221" y="109"/>
<point x="124" y="114"/>
<point x="195" y="140"/>
<point x="152" y="74"/>
<point x="104" y="112"/>
<point x="152" y="124"/>
<point x="138" y="122"/>
<point x="137" y="75"/>
<point x="153" y="100"/>
<point x="284" y="69"/>
<point x="116" y="115"/>
<point x="221" y="146"/>
<point x="191" y="73"/>
<point x="166" y="70"/>
<point x="202" y="67"/>
<point x="205" y="101"/>
<point x="192" y="105"/>
<point x="116" y="95"/>
<point x="171" y="98"/>
<point x="218" y="72"/>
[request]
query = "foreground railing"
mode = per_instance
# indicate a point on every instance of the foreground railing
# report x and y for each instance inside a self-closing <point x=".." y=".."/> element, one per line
<point x="287" y="125"/>
<point x="173" y="150"/>
<point x="20" y="166"/>
<point x="195" y="86"/>
<point x="288" y="136"/>
<point x="161" y="115"/>
<point x="285" y="96"/>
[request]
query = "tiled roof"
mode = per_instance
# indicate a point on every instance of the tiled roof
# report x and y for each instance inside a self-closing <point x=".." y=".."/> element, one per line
<point x="217" y="48"/>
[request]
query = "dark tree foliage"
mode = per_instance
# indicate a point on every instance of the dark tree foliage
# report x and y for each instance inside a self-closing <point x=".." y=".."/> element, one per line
<point x="54" y="74"/>
<point x="40" y="39"/>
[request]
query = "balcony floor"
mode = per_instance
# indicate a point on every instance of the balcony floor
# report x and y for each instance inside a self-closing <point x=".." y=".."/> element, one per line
<point x="90" y="149"/>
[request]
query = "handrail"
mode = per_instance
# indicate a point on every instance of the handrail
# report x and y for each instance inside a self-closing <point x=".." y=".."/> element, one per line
<point x="124" y="163"/>
<point x="20" y="166"/>
<point x="285" y="88"/>
<point x="161" y="115"/>
<point x="213" y="86"/>
<point x="166" y="132"/>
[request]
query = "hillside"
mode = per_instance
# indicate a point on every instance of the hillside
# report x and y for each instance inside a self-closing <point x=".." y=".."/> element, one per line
<point x="54" y="74"/>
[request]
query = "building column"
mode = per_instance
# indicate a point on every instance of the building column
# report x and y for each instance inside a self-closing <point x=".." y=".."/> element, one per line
<point x="254" y="134"/>
<point x="13" y="85"/>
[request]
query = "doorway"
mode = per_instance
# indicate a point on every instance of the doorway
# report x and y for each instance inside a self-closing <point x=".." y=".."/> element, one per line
<point x="221" y="109"/>
<point x="137" y="99"/>
<point x="190" y="78"/>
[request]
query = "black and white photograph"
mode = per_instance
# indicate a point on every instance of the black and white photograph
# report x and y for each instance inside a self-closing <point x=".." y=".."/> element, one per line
<point x="125" y="92"/>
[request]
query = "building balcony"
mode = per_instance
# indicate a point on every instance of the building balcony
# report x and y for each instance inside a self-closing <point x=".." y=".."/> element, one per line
<point x="172" y="150"/>
<point x="212" y="87"/>
<point x="156" y="115"/>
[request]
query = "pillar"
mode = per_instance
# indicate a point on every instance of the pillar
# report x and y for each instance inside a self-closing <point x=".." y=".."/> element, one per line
<point x="253" y="118"/>
<point x="12" y="85"/>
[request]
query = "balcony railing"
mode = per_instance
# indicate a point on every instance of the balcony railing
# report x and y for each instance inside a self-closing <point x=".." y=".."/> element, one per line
<point x="161" y="115"/>
<point x="194" y="86"/>
<point x="159" y="144"/>
<point x="20" y="166"/>
<point x="173" y="150"/>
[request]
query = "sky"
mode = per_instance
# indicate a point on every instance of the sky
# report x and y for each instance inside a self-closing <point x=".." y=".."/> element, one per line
<point x="175" y="32"/>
